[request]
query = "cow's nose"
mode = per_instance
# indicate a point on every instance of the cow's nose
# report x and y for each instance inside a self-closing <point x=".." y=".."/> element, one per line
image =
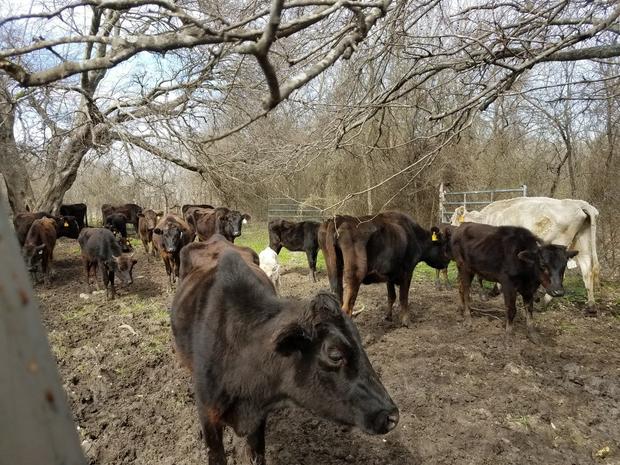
<point x="557" y="292"/>
<point x="386" y="421"/>
<point x="236" y="234"/>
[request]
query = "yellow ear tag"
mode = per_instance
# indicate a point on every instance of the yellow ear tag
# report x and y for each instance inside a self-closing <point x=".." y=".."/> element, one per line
<point x="434" y="237"/>
<point x="461" y="218"/>
<point x="66" y="224"/>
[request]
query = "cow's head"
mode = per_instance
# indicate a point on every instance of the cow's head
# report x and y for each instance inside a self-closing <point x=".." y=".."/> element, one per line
<point x="275" y="235"/>
<point x="67" y="226"/>
<point x="171" y="237"/>
<point x="33" y="256"/>
<point x="330" y="373"/>
<point x="436" y="251"/>
<point x="230" y="222"/>
<point x="123" y="267"/>
<point x="458" y="216"/>
<point x="549" y="262"/>
<point x="149" y="217"/>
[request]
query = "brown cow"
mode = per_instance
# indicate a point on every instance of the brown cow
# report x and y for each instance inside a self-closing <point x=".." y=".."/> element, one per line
<point x="382" y="248"/>
<point x="38" y="249"/>
<point x="251" y="352"/>
<point x="147" y="221"/>
<point x="209" y="221"/>
<point x="169" y="237"/>
<point x="66" y="226"/>
<point x="513" y="257"/>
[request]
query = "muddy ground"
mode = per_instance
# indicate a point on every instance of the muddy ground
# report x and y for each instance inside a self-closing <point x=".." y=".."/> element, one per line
<point x="463" y="397"/>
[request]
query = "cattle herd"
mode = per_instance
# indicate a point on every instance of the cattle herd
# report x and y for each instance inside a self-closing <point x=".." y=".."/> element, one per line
<point x="250" y="350"/>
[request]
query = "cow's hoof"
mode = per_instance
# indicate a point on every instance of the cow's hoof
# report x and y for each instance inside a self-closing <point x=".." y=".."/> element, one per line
<point x="405" y="321"/>
<point x="467" y="322"/>
<point x="590" y="311"/>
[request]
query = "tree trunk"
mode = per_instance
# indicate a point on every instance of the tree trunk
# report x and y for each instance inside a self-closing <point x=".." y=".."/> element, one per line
<point x="12" y="166"/>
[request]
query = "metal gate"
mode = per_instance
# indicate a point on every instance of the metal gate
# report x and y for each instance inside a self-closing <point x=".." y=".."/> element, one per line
<point x="291" y="209"/>
<point x="449" y="201"/>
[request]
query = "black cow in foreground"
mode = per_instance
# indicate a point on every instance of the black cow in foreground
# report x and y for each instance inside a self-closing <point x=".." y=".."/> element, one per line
<point x="130" y="210"/>
<point x="101" y="249"/>
<point x="78" y="210"/>
<point x="302" y="236"/>
<point x="382" y="248"/>
<point x="513" y="257"/>
<point x="251" y="352"/>
<point x="66" y="226"/>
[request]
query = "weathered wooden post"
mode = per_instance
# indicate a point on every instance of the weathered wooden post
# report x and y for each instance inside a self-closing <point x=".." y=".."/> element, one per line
<point x="36" y="426"/>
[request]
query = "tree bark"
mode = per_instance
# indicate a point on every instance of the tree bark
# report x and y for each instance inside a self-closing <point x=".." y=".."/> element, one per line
<point x="12" y="166"/>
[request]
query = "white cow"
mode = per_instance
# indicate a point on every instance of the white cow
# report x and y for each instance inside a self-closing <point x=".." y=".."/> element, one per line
<point x="566" y="222"/>
<point x="268" y="260"/>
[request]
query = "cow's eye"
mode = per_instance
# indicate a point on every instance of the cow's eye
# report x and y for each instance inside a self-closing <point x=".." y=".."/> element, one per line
<point x="336" y="358"/>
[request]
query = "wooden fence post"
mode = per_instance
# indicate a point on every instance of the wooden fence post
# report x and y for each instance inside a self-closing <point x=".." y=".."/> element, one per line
<point x="36" y="426"/>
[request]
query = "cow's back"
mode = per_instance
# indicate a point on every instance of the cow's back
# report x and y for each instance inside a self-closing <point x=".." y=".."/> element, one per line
<point x="42" y="231"/>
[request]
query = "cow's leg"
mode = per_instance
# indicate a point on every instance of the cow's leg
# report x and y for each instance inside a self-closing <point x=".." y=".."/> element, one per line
<point x="403" y="297"/>
<point x="465" y="279"/>
<point x="354" y="272"/>
<point x="391" y="292"/>
<point x="446" y="281"/>
<point x="256" y="445"/>
<point x="532" y="334"/>
<point x="212" y="431"/>
<point x="87" y="266"/>
<point x="112" y="287"/>
<point x="483" y="296"/>
<point x="510" y="300"/>
<point x="437" y="282"/>
<point x="334" y="273"/>
<point x="584" y="260"/>
<point x="105" y="275"/>
<point x="312" y="254"/>
<point x="145" y="243"/>
<point x="169" y="271"/>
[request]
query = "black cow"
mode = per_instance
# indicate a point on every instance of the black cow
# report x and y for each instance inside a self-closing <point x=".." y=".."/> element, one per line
<point x="101" y="249"/>
<point x="130" y="210"/>
<point x="251" y="352"/>
<point x="117" y="223"/>
<point x="513" y="257"/>
<point x="302" y="236"/>
<point x="382" y="248"/>
<point x="445" y="229"/>
<point x="78" y="210"/>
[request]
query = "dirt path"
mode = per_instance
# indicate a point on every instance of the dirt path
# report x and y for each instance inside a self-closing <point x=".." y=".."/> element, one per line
<point x="463" y="397"/>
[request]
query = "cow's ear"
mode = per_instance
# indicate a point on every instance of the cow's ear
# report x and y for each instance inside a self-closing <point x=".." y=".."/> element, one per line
<point x="435" y="235"/>
<point x="159" y="214"/>
<point x="291" y="338"/>
<point x="157" y="231"/>
<point x="527" y="256"/>
<point x="246" y="217"/>
<point x="141" y="215"/>
<point x="324" y="307"/>
<point x="571" y="253"/>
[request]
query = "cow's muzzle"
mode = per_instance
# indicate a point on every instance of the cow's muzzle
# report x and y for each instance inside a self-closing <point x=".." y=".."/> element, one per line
<point x="557" y="292"/>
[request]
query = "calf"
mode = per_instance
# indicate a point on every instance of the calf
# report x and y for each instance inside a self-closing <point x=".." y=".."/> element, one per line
<point x="296" y="237"/>
<point x="130" y="210"/>
<point x="268" y="259"/>
<point x="78" y="210"/>
<point x="513" y="257"/>
<point x="251" y="352"/>
<point x="170" y="235"/>
<point x="38" y="249"/>
<point x="100" y="249"/>
<point x="207" y="222"/>
<point x="146" y="224"/>
<point x="382" y="248"/>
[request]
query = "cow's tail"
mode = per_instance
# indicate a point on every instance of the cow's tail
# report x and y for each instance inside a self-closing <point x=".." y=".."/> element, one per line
<point x="593" y="215"/>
